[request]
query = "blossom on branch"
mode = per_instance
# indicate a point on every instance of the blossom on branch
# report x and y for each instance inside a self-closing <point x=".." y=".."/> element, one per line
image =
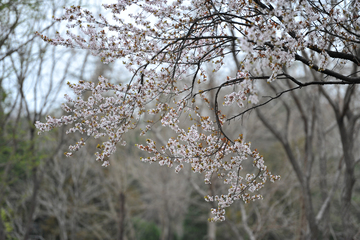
<point x="181" y="39"/>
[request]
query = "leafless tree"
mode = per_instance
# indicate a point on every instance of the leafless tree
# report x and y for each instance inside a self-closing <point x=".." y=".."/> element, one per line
<point x="307" y="111"/>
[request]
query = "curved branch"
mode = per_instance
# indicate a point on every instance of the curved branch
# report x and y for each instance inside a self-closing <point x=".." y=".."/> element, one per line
<point x="327" y="71"/>
<point x="335" y="54"/>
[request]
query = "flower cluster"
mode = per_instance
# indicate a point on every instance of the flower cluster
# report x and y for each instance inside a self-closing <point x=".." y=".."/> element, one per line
<point x="180" y="39"/>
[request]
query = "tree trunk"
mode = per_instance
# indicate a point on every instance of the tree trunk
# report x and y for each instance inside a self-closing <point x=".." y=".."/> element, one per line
<point x="122" y="213"/>
<point x="349" y="180"/>
<point x="323" y="172"/>
<point x="62" y="228"/>
<point x="302" y="176"/>
<point x="33" y="202"/>
<point x="310" y="215"/>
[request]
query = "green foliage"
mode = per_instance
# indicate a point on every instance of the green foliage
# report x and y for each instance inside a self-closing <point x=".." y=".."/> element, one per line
<point x="7" y="221"/>
<point x="195" y="223"/>
<point x="145" y="230"/>
<point x="17" y="155"/>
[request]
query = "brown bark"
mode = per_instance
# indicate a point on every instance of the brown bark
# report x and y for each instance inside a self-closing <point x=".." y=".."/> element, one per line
<point x="122" y="213"/>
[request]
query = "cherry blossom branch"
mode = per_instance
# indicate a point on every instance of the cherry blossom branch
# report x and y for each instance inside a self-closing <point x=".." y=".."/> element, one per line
<point x="181" y="39"/>
<point x="337" y="75"/>
<point x="278" y="95"/>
